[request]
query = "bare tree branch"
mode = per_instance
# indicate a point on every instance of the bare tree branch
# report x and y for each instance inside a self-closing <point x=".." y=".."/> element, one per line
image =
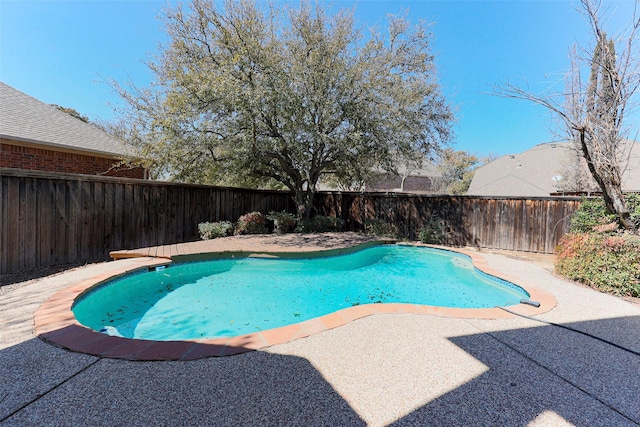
<point x="593" y="110"/>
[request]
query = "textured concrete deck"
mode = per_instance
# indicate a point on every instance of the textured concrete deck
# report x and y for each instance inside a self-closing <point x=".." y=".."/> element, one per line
<point x="401" y="369"/>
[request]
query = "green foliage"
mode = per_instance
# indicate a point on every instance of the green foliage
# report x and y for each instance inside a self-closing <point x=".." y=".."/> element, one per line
<point x="213" y="230"/>
<point x="593" y="213"/>
<point x="252" y="223"/>
<point x="633" y="204"/>
<point x="283" y="222"/>
<point x="72" y="112"/>
<point x="433" y="231"/>
<point x="286" y="94"/>
<point x="457" y="169"/>
<point x="319" y="224"/>
<point x="610" y="263"/>
<point x="600" y="255"/>
<point x="380" y="228"/>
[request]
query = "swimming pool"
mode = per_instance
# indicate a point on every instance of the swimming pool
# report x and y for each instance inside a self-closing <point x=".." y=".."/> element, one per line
<point x="231" y="297"/>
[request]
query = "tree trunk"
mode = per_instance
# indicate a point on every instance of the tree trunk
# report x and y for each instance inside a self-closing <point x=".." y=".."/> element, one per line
<point x="614" y="201"/>
<point x="304" y="203"/>
<point x="611" y="191"/>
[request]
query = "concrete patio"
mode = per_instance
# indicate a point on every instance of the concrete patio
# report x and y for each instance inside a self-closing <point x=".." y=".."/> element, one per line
<point x="385" y="369"/>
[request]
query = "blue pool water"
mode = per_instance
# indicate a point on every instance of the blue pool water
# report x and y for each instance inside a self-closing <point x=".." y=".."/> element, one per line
<point x="229" y="297"/>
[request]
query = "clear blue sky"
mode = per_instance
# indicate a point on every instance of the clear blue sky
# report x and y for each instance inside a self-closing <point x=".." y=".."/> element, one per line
<point x="61" y="52"/>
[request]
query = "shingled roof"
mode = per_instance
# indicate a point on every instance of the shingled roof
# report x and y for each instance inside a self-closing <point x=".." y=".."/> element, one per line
<point x="540" y="171"/>
<point x="25" y="119"/>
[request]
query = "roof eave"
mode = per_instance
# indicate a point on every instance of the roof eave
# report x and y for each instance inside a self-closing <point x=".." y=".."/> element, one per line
<point x="62" y="146"/>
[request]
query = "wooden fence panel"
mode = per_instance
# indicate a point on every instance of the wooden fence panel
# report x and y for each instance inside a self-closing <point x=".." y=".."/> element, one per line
<point x="127" y="207"/>
<point x="49" y="206"/>
<point x="22" y="206"/>
<point x="27" y="220"/>
<point x="49" y="218"/>
<point x="117" y="238"/>
<point x="140" y="227"/>
<point x="108" y="198"/>
<point x="12" y="231"/>
<point x="510" y="223"/>
<point x="74" y="214"/>
<point x="86" y="221"/>
<point x="4" y="224"/>
<point x="98" y="219"/>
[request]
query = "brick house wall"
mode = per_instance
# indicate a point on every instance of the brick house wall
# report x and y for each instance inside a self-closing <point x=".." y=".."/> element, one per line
<point x="16" y="155"/>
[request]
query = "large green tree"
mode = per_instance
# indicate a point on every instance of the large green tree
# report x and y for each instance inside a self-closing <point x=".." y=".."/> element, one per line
<point x="268" y="94"/>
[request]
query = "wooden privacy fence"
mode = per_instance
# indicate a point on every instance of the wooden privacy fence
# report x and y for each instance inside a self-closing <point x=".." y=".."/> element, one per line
<point x="48" y="219"/>
<point x="533" y="225"/>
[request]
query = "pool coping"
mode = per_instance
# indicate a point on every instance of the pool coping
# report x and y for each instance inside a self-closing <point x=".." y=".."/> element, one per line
<point x="55" y="323"/>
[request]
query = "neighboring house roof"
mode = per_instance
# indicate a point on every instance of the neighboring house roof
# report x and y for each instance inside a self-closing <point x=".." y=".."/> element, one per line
<point x="418" y="180"/>
<point x="25" y="119"/>
<point x="631" y="173"/>
<point x="540" y="171"/>
<point x="412" y="184"/>
<point x="428" y="169"/>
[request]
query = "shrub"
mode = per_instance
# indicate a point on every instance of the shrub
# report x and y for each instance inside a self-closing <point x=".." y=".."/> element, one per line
<point x="592" y="213"/>
<point x="433" y="231"/>
<point x="320" y="224"/>
<point x="252" y="223"/>
<point x="380" y="228"/>
<point x="283" y="222"/>
<point x="213" y="230"/>
<point x="633" y="203"/>
<point x="610" y="263"/>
